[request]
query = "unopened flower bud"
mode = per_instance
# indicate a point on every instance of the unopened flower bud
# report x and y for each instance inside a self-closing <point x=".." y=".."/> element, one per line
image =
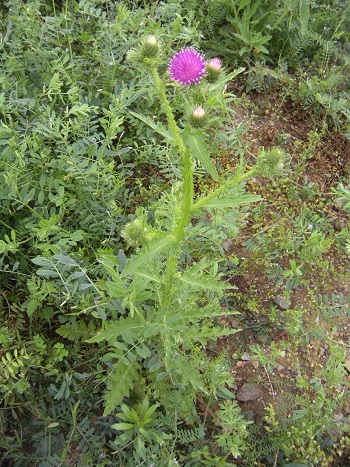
<point x="150" y="47"/>
<point x="198" y="117"/>
<point x="136" y="233"/>
<point x="146" y="53"/>
<point x="198" y="113"/>
<point x="213" y="70"/>
<point x="271" y="162"/>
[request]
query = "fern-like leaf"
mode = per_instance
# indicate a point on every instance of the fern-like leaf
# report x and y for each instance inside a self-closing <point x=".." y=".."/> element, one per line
<point x="77" y="330"/>
<point x="120" y="382"/>
<point x="114" y="329"/>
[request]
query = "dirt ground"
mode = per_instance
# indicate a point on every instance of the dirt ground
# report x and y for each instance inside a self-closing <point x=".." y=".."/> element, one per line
<point x="272" y="120"/>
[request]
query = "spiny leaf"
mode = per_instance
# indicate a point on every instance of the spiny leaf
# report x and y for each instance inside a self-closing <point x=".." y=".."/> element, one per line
<point x="143" y="256"/>
<point x="157" y="127"/>
<point x="115" y="328"/>
<point x="194" y="139"/>
<point x="207" y="283"/>
<point x="233" y="201"/>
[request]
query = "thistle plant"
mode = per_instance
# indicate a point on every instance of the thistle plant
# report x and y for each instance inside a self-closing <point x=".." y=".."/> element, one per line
<point x="170" y="306"/>
<point x="189" y="68"/>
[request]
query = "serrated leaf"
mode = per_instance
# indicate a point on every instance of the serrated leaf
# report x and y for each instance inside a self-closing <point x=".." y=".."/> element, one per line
<point x="143" y="256"/>
<point x="207" y="283"/>
<point x="157" y="127"/>
<point x="120" y="383"/>
<point x="75" y="331"/>
<point x="194" y="139"/>
<point x="115" y="328"/>
<point x="233" y="201"/>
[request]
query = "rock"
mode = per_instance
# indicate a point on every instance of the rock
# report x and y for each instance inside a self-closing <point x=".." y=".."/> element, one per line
<point x="339" y="224"/>
<point x="339" y="204"/>
<point x="248" y="392"/>
<point x="346" y="408"/>
<point x="282" y="302"/>
<point x="227" y="244"/>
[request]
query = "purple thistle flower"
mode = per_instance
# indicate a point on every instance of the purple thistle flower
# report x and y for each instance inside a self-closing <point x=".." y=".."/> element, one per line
<point x="187" y="66"/>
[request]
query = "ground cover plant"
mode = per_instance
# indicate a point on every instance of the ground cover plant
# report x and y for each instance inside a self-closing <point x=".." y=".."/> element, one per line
<point x="174" y="233"/>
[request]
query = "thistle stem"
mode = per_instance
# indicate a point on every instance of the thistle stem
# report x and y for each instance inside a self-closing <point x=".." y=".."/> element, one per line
<point x="186" y="198"/>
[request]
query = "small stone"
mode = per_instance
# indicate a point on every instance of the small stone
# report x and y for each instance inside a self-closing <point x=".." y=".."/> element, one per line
<point x="248" y="392"/>
<point x="264" y="320"/>
<point x="346" y="408"/>
<point x="339" y="204"/>
<point x="234" y="323"/>
<point x="227" y="244"/>
<point x="282" y="302"/>
<point x="339" y="225"/>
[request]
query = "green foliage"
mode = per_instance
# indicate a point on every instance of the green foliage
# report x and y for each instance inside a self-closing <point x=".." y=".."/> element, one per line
<point x="304" y="434"/>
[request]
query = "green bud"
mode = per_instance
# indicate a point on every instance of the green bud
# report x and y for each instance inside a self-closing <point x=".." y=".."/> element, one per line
<point x="198" y="118"/>
<point x="271" y="162"/>
<point x="213" y="70"/>
<point x="137" y="233"/>
<point x="150" y="47"/>
<point x="146" y="53"/>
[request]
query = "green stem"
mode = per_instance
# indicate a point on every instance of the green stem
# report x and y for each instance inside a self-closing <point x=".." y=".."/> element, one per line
<point x="185" y="200"/>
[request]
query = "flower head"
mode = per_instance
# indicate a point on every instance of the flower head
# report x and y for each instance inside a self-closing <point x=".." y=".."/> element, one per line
<point x="150" y="47"/>
<point x="271" y="162"/>
<point x="187" y="66"/>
